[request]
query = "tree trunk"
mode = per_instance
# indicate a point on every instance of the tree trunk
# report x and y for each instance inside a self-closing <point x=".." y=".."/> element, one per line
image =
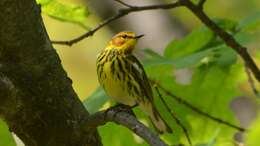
<point x="36" y="97"/>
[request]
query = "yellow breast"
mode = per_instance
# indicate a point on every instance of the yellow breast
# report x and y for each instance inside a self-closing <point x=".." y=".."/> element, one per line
<point x="112" y="81"/>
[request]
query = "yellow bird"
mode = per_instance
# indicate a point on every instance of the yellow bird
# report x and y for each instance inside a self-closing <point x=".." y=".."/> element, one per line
<point x="123" y="78"/>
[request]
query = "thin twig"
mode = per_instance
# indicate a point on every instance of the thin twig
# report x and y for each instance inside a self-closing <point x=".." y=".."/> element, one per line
<point x="91" y="32"/>
<point x="121" y="12"/>
<point x="251" y="82"/>
<point x="174" y="116"/>
<point x="197" y="110"/>
<point x="124" y="4"/>
<point x="119" y="116"/>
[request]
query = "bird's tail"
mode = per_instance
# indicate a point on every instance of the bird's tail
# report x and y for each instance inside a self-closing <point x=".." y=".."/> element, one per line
<point x="158" y="122"/>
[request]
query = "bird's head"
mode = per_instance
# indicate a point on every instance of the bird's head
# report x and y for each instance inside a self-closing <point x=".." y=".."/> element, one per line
<point x="124" y="41"/>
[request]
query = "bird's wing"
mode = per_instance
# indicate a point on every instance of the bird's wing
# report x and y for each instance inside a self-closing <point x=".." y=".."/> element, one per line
<point x="140" y="77"/>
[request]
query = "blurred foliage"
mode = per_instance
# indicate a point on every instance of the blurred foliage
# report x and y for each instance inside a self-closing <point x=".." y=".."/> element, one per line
<point x="65" y="12"/>
<point x="6" y="138"/>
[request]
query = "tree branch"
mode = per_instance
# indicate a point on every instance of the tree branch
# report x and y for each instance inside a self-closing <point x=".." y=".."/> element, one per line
<point x="225" y="36"/>
<point x="119" y="116"/>
<point x="120" y="13"/>
<point x="37" y="100"/>
<point x="197" y="110"/>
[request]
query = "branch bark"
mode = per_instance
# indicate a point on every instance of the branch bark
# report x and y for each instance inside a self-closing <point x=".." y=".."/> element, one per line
<point x="122" y="117"/>
<point x="36" y="97"/>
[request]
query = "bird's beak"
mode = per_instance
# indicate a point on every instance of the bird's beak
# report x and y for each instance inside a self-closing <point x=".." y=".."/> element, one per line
<point x="139" y="36"/>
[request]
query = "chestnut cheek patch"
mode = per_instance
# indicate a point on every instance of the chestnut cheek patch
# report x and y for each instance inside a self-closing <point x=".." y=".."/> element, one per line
<point x="118" y="42"/>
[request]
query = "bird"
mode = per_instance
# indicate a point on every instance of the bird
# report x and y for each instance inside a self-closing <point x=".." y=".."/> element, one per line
<point x="123" y="77"/>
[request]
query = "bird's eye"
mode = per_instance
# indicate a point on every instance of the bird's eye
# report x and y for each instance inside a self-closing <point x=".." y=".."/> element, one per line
<point x="124" y="36"/>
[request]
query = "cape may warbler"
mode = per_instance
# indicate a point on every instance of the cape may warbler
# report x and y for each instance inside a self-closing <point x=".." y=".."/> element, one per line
<point x="123" y="78"/>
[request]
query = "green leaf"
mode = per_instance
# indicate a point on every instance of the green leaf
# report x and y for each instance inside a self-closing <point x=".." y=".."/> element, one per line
<point x="201" y="38"/>
<point x="194" y="41"/>
<point x="6" y="139"/>
<point x="96" y="100"/>
<point x="245" y="38"/>
<point x="43" y="2"/>
<point x="212" y="142"/>
<point x="226" y="24"/>
<point x="151" y="53"/>
<point x="65" y="12"/>
<point x="225" y="56"/>
<point x="221" y="55"/>
<point x="252" y="137"/>
<point x="250" y="23"/>
<point x="212" y="90"/>
<point x="180" y="62"/>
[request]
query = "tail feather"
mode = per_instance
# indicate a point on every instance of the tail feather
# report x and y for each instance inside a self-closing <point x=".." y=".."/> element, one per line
<point x="158" y="122"/>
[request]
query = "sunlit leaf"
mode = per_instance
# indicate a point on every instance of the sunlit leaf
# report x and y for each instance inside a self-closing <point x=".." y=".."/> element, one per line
<point x="212" y="142"/>
<point x="65" y="12"/>
<point x="196" y="40"/>
<point x="200" y="38"/>
<point x="6" y="138"/>
<point x="43" y="2"/>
